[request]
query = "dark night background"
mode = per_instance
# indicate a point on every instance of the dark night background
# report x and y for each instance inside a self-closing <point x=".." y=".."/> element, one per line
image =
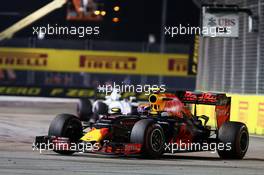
<point x="138" y="18"/>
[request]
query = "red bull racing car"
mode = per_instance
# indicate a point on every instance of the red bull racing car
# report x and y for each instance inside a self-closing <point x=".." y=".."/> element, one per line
<point x="165" y="124"/>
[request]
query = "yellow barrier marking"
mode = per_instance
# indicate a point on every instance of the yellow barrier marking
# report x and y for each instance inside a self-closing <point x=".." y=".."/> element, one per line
<point x="261" y="115"/>
<point x="243" y="111"/>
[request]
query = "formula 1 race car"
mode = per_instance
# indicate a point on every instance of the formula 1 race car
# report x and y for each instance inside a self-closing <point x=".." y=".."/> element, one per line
<point x="86" y="109"/>
<point x="164" y="125"/>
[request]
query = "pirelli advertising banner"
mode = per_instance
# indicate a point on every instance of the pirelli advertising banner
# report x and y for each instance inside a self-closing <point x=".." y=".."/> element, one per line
<point x="94" y="61"/>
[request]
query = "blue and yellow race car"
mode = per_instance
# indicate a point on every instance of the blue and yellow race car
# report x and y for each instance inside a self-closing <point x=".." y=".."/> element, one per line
<point x="165" y="124"/>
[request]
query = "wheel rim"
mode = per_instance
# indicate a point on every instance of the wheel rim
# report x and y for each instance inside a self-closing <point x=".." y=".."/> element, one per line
<point x="156" y="140"/>
<point x="243" y="141"/>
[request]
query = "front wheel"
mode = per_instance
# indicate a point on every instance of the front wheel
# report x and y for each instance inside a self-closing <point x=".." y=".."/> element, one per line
<point x="66" y="125"/>
<point x="150" y="135"/>
<point x="234" y="134"/>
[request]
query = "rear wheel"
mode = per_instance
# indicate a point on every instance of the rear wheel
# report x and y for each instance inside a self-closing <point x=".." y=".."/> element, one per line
<point x="150" y="135"/>
<point x="66" y="125"/>
<point x="236" y="135"/>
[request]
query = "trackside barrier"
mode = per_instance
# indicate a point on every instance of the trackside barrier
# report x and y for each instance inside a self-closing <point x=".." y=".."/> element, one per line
<point x="131" y="63"/>
<point x="248" y="109"/>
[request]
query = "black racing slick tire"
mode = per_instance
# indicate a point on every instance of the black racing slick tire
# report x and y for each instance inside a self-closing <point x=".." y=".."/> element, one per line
<point x="236" y="135"/>
<point x="66" y="125"/>
<point x="100" y="108"/>
<point x="150" y="135"/>
<point x="84" y="109"/>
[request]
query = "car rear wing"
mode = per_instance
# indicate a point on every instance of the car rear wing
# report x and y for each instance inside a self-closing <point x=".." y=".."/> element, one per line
<point x="221" y="102"/>
<point x="205" y="98"/>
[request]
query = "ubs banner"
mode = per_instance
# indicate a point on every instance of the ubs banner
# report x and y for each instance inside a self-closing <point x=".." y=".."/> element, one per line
<point x="94" y="61"/>
<point x="218" y="22"/>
